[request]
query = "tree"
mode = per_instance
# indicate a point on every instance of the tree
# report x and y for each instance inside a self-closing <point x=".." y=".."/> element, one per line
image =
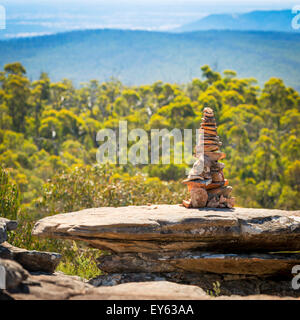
<point x="16" y="92"/>
<point x="210" y="75"/>
<point x="47" y="127"/>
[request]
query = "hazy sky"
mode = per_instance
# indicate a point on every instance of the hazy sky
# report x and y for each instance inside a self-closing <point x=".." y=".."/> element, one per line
<point x="36" y="17"/>
<point x="201" y="6"/>
<point x="217" y="4"/>
<point x="152" y="1"/>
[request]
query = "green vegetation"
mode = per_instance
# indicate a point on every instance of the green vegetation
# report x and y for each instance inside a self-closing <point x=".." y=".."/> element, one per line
<point x="9" y="196"/>
<point x="216" y="290"/>
<point x="48" y="147"/>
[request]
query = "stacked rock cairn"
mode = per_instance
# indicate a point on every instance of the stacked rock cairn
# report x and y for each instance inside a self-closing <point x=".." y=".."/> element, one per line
<point x="206" y="182"/>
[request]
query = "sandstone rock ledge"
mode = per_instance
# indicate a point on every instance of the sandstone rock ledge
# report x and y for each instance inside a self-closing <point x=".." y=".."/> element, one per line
<point x="172" y="227"/>
<point x="238" y="248"/>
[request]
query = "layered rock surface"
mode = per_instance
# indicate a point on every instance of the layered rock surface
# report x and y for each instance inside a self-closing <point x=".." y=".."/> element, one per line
<point x="163" y="252"/>
<point x="173" y="227"/>
<point x="201" y="262"/>
<point x="24" y="286"/>
<point x="237" y="248"/>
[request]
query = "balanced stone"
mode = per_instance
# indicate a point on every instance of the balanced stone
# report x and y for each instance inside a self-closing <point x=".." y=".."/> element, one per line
<point x="199" y="197"/>
<point x="215" y="156"/>
<point x="211" y="147"/>
<point x="212" y="142"/>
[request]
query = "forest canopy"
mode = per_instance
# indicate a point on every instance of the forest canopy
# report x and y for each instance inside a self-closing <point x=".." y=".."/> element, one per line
<point x="48" y="133"/>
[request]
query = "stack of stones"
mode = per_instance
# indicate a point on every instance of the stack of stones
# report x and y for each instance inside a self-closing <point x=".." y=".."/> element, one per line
<point x="206" y="182"/>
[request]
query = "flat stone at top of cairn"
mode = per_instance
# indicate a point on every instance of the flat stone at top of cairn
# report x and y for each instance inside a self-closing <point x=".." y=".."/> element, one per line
<point x="207" y="186"/>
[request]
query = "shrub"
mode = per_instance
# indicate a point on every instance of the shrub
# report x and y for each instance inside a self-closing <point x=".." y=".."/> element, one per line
<point x="9" y="196"/>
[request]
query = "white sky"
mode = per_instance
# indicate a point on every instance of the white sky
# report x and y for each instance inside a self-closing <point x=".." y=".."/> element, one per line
<point x="224" y="3"/>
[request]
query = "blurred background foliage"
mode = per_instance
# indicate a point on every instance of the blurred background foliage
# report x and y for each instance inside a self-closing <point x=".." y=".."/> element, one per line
<point x="48" y="147"/>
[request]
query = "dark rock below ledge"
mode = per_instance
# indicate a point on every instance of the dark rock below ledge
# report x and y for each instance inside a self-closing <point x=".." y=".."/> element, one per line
<point x="31" y="260"/>
<point x="230" y="285"/>
<point x="201" y="262"/>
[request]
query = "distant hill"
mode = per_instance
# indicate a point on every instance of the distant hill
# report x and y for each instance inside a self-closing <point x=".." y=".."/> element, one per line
<point x="255" y="21"/>
<point x="139" y="57"/>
